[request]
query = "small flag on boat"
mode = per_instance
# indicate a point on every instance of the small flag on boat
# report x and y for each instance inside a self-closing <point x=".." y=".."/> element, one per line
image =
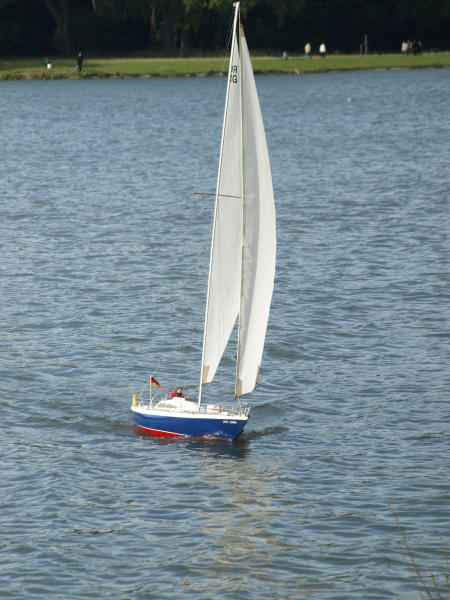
<point x="154" y="382"/>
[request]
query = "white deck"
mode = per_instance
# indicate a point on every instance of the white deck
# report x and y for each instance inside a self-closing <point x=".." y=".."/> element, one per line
<point x="180" y="407"/>
<point x="179" y="404"/>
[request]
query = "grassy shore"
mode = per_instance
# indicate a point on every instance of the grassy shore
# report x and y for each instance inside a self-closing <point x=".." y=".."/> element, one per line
<point x="18" y="69"/>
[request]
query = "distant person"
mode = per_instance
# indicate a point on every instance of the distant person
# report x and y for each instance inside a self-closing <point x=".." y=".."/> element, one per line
<point x="404" y="48"/>
<point x="322" y="50"/>
<point x="308" y="50"/>
<point x="178" y="393"/>
<point x="80" y="58"/>
<point x="417" y="47"/>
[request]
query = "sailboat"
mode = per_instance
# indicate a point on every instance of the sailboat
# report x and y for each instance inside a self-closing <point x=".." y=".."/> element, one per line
<point x="241" y="266"/>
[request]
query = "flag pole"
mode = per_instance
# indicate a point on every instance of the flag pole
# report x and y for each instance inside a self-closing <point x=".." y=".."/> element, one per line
<point x="151" y="385"/>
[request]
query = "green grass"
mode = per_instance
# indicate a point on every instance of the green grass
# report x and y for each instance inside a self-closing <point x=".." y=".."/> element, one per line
<point x="339" y="62"/>
<point x="178" y="67"/>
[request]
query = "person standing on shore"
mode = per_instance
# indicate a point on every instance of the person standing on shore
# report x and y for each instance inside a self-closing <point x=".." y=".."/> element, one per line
<point x="322" y="50"/>
<point x="308" y="50"/>
<point x="80" y="58"/>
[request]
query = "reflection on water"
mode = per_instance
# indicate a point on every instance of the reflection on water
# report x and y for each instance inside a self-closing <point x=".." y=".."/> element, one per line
<point x="239" y="515"/>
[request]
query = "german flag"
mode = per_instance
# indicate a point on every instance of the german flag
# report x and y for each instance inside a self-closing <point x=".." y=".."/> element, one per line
<point x="154" y="382"/>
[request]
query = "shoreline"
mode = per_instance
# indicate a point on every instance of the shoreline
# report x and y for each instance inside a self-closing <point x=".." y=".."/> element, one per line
<point x="124" y="68"/>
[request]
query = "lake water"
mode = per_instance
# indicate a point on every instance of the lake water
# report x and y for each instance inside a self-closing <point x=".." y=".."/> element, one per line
<point x="103" y="252"/>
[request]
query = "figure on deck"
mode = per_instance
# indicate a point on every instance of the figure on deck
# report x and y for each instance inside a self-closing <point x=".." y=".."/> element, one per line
<point x="178" y="393"/>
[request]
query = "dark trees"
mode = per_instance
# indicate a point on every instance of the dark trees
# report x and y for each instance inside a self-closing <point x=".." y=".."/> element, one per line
<point x="180" y="26"/>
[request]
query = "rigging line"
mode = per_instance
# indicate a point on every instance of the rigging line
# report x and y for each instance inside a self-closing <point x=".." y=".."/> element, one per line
<point x="223" y="333"/>
<point x="213" y="233"/>
<point x="190" y="246"/>
<point x="155" y="370"/>
<point x="205" y="249"/>
<point x="214" y="194"/>
<point x="216" y="94"/>
<point x="214" y="106"/>
<point x="202" y="153"/>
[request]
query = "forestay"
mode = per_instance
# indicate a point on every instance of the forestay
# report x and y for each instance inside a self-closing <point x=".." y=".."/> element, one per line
<point x="223" y="299"/>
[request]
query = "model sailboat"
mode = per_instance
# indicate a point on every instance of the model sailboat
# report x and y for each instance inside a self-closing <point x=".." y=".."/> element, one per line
<point x="242" y="264"/>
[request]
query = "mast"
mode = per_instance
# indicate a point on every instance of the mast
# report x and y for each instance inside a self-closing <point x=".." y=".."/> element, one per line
<point x="236" y="386"/>
<point x="202" y="375"/>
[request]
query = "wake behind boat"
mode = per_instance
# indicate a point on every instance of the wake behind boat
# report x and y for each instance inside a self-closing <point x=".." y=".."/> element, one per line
<point x="241" y="268"/>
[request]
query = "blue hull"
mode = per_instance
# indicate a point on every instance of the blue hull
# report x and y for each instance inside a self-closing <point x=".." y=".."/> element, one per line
<point x="216" y="428"/>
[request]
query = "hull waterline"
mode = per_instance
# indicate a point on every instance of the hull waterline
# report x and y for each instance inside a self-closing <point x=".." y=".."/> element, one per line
<point x="213" y="427"/>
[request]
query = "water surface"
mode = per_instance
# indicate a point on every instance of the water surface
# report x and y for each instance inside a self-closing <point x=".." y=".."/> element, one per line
<point x="104" y="251"/>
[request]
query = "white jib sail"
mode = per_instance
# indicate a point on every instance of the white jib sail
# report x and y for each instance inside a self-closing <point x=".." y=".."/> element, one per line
<point x="223" y="298"/>
<point x="259" y="233"/>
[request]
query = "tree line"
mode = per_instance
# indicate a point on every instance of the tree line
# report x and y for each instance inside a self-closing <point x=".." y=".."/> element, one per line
<point x="185" y="27"/>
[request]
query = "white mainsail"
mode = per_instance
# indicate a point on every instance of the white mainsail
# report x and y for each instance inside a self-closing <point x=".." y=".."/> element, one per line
<point x="242" y="264"/>
<point x="259" y="233"/>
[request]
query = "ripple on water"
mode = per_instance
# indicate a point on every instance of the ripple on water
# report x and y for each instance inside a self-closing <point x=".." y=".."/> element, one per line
<point x="104" y="255"/>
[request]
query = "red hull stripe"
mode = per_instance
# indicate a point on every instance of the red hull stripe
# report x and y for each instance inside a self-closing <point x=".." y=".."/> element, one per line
<point x="159" y="433"/>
